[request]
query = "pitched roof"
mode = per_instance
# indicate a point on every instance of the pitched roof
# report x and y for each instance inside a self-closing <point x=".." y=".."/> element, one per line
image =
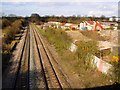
<point x="90" y="22"/>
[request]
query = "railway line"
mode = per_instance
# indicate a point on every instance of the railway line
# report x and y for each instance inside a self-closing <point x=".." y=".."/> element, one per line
<point x="52" y="81"/>
<point x="22" y="75"/>
<point x="10" y="76"/>
<point x="33" y="68"/>
<point x="36" y="67"/>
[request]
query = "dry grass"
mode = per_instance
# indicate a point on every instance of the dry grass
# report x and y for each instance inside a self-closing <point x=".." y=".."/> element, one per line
<point x="94" y="35"/>
<point x="81" y="75"/>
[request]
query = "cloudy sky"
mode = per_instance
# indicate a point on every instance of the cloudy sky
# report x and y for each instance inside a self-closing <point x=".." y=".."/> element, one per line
<point x="60" y="7"/>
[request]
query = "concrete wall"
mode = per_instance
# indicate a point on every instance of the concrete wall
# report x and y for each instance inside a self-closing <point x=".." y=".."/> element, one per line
<point x="101" y="65"/>
<point x="73" y="47"/>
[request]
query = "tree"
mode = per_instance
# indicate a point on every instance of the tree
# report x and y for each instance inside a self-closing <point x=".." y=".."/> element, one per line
<point x="35" y="18"/>
<point x="16" y="26"/>
<point x="62" y="19"/>
<point x="114" y="18"/>
<point x="12" y="15"/>
<point x="102" y="17"/>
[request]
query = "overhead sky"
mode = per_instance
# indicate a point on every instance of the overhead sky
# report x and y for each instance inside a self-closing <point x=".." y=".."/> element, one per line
<point x="60" y="7"/>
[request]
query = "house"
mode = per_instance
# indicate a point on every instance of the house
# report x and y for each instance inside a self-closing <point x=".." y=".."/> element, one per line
<point x="62" y="25"/>
<point x="45" y="26"/>
<point x="110" y="24"/>
<point x="114" y="18"/>
<point x="54" y="24"/>
<point x="67" y="25"/>
<point x="91" y="25"/>
<point x="74" y="27"/>
<point x="83" y="26"/>
<point x="70" y="26"/>
<point x="94" y="25"/>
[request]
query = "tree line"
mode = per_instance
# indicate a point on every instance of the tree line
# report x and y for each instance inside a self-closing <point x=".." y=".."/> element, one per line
<point x="36" y="18"/>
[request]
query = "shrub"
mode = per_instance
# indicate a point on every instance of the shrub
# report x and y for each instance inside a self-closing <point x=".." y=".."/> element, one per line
<point x="5" y="23"/>
<point x="86" y="50"/>
<point x="117" y="71"/>
<point x="9" y="35"/>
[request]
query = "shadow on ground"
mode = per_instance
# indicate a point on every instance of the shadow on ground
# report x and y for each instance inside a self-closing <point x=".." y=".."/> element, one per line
<point x="115" y="86"/>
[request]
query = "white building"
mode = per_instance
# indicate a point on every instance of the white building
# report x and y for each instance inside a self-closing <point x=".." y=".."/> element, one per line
<point x="114" y="19"/>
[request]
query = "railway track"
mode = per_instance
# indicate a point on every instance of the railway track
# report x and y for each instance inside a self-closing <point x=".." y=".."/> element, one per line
<point x="10" y="77"/>
<point x="50" y="76"/>
<point x="33" y="68"/>
<point x="22" y="80"/>
<point x="60" y="73"/>
<point x="36" y="68"/>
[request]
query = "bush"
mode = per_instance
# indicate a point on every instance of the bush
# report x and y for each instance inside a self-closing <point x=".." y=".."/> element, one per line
<point x="9" y="35"/>
<point x="5" y="23"/>
<point x="86" y="50"/>
<point x="117" y="71"/>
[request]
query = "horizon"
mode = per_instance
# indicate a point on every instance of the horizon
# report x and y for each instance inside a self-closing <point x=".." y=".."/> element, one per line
<point x="13" y="15"/>
<point x="96" y="9"/>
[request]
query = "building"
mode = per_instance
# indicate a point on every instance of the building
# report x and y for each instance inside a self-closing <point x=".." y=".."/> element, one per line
<point x="70" y="26"/>
<point x="94" y="25"/>
<point x="110" y="24"/>
<point x="53" y="24"/>
<point x="114" y="19"/>
<point x="83" y="26"/>
<point x="91" y="25"/>
<point x="45" y="26"/>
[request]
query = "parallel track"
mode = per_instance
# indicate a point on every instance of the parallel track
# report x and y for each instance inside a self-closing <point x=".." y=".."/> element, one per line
<point x="22" y="80"/>
<point x="51" y="78"/>
<point x="34" y="68"/>
<point x="63" y="76"/>
<point x="37" y="64"/>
